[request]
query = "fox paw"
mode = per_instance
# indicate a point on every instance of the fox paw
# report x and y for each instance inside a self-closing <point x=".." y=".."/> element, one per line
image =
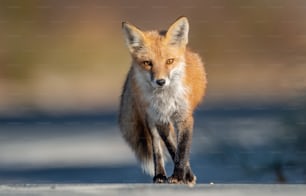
<point x="159" y="179"/>
<point x="175" y="180"/>
<point x="191" y="180"/>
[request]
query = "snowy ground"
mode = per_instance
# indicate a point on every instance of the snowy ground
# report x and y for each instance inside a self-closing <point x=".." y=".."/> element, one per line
<point x="150" y="189"/>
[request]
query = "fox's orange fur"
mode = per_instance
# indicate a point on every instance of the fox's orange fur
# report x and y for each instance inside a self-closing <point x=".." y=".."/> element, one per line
<point x="164" y="85"/>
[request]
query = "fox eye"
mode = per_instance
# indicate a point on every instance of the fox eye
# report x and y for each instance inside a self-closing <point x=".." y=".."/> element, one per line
<point x="169" y="61"/>
<point x="147" y="63"/>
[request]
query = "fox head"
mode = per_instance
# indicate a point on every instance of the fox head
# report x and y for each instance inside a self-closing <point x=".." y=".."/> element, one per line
<point x="158" y="56"/>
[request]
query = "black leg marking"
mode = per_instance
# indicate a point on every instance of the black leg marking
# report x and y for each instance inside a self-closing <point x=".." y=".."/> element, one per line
<point x="181" y="161"/>
<point x="165" y="133"/>
<point x="159" y="169"/>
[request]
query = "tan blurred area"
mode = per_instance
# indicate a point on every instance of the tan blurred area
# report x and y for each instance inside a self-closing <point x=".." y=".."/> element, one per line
<point x="70" y="56"/>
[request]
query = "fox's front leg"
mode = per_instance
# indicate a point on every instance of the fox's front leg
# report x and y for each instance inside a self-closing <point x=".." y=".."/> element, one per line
<point x="182" y="171"/>
<point x="159" y="168"/>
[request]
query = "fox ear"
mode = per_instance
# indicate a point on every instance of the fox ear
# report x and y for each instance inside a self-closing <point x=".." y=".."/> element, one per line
<point x="177" y="33"/>
<point x="134" y="37"/>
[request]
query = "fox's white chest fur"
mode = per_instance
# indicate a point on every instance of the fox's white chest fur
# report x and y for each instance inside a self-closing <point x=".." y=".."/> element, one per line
<point x="164" y="102"/>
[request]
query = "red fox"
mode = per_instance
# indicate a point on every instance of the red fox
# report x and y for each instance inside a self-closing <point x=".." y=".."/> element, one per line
<point x="163" y="87"/>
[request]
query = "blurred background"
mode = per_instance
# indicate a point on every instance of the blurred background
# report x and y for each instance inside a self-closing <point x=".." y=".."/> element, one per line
<point x="63" y="63"/>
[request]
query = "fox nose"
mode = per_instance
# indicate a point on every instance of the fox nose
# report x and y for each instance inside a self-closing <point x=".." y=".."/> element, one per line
<point x="161" y="82"/>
